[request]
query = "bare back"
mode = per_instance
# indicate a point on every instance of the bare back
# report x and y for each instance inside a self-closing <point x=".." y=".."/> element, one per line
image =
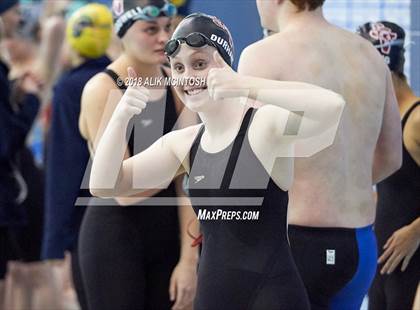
<point x="334" y="186"/>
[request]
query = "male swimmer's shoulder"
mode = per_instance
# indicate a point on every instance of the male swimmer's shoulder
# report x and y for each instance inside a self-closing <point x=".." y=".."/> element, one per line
<point x="269" y="45"/>
<point x="366" y="50"/>
<point x="263" y="58"/>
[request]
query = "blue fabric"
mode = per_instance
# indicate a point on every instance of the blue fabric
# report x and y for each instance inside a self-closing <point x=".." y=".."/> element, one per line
<point x="351" y="296"/>
<point x="7" y="4"/>
<point x="66" y="161"/>
<point x="14" y="128"/>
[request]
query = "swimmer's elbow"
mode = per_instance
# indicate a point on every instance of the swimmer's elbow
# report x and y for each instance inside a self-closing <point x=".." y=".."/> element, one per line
<point x="102" y="193"/>
<point x="101" y="190"/>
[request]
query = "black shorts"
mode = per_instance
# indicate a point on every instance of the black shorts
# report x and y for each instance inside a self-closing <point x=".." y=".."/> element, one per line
<point x="337" y="265"/>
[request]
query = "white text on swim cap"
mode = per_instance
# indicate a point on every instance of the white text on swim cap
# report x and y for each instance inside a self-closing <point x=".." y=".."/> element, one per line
<point x="129" y="15"/>
<point x="223" y="43"/>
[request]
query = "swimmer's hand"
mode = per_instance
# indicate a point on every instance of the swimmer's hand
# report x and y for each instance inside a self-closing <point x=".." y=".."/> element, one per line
<point x="401" y="246"/>
<point x="183" y="285"/>
<point x="223" y="82"/>
<point x="133" y="101"/>
<point x="31" y="83"/>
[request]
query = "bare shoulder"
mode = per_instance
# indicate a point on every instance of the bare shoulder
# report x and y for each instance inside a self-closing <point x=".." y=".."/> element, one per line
<point x="184" y="136"/>
<point x="413" y="121"/>
<point x="263" y="57"/>
<point x="180" y="142"/>
<point x="360" y="46"/>
<point x="266" y="46"/>
<point x="97" y="91"/>
<point x="98" y="85"/>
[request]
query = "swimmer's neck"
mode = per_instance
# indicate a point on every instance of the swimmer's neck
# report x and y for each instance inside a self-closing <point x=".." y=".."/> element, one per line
<point x="76" y="60"/>
<point x="405" y="95"/>
<point x="222" y="117"/>
<point x="142" y="69"/>
<point x="291" y="20"/>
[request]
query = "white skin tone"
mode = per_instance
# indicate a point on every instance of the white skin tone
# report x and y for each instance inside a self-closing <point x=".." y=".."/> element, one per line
<point x="22" y="54"/>
<point x="10" y="20"/>
<point x="143" y="50"/>
<point x="112" y="175"/>
<point x="334" y="186"/>
<point x="404" y="242"/>
<point x="28" y="82"/>
<point x="265" y="133"/>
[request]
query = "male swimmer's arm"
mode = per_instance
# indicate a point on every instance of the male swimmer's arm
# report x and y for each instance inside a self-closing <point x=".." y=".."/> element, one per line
<point x="388" y="152"/>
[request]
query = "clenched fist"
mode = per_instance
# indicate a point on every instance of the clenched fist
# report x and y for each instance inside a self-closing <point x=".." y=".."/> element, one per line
<point x="134" y="99"/>
<point x="223" y="82"/>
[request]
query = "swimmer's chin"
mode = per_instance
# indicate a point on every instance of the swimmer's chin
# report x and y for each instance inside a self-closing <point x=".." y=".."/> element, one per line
<point x="198" y="105"/>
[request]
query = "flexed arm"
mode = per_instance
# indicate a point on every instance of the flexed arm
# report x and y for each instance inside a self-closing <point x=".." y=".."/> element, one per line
<point x="111" y="176"/>
<point x="311" y="109"/>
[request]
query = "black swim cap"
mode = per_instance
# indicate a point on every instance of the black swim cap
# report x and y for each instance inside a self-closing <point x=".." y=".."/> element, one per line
<point x="7" y="4"/>
<point x="389" y="39"/>
<point x="127" y="12"/>
<point x="212" y="28"/>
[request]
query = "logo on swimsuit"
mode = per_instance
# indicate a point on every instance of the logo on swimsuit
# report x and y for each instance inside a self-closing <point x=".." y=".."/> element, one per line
<point x="384" y="35"/>
<point x="146" y="122"/>
<point x="330" y="259"/>
<point x="199" y="178"/>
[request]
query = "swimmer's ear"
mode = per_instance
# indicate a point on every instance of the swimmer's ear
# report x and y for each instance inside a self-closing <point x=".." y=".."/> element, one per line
<point x="219" y="60"/>
<point x="131" y="72"/>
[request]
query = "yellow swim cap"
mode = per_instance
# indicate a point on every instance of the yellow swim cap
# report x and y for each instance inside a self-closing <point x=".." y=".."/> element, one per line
<point x="89" y="30"/>
<point x="178" y="3"/>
